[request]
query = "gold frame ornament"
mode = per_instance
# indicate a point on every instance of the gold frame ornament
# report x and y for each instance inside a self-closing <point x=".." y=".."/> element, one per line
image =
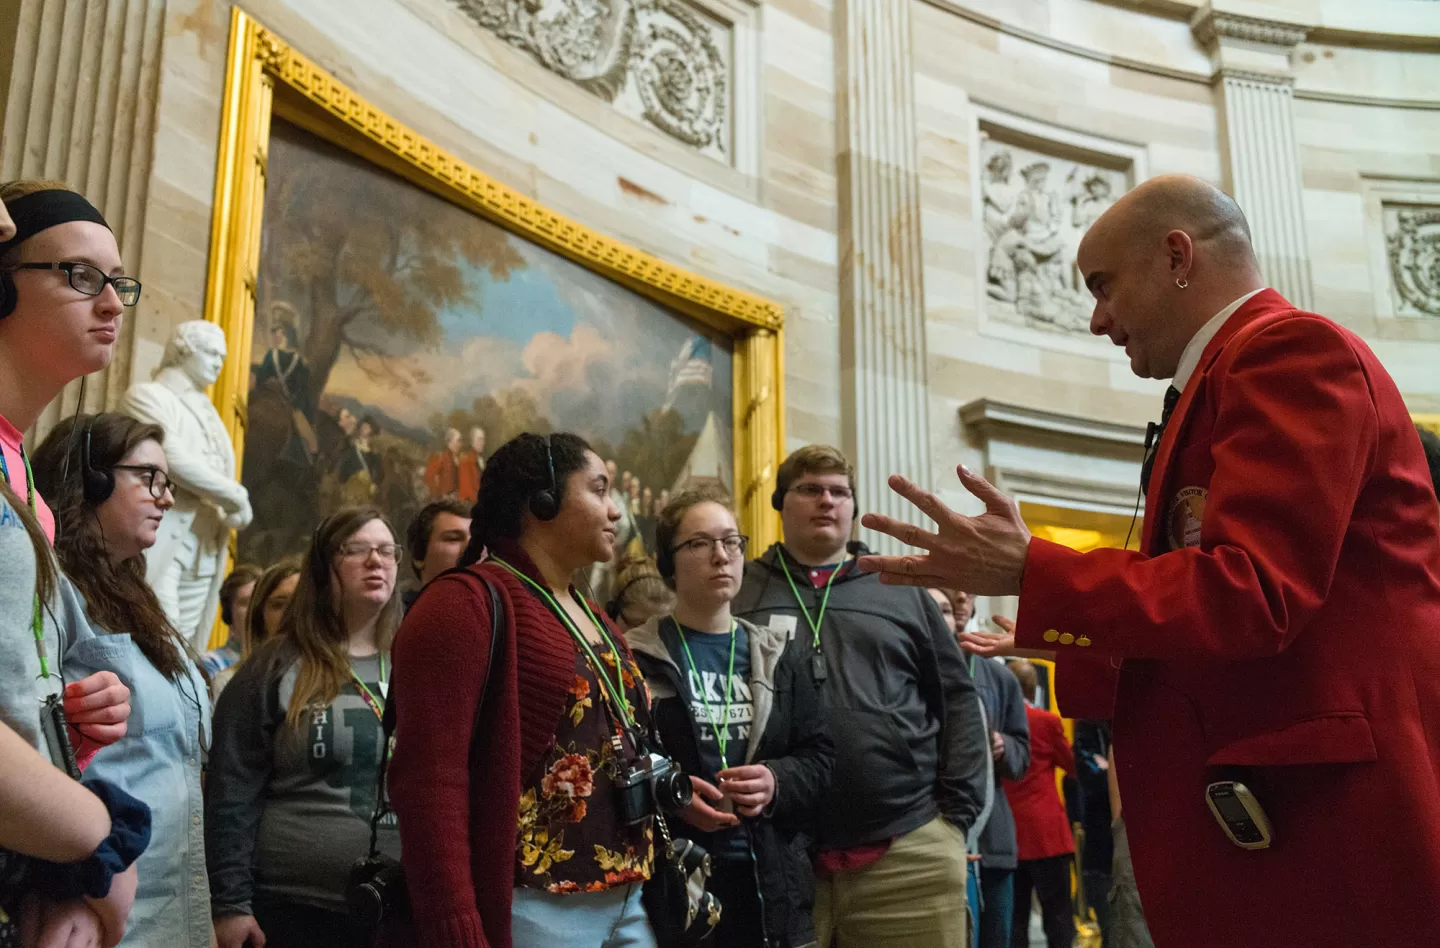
<point x="266" y="77"/>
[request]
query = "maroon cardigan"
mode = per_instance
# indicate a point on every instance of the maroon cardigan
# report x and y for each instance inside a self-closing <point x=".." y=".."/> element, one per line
<point x="461" y="881"/>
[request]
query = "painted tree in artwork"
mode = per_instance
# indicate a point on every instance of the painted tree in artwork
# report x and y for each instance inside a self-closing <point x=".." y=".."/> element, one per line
<point x="363" y="255"/>
<point x="656" y="450"/>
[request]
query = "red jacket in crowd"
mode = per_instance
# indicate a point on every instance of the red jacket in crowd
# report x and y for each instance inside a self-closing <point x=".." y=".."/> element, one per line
<point x="1042" y="827"/>
<point x="1280" y="626"/>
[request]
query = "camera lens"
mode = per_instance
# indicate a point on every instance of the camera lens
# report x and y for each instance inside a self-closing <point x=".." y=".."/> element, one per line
<point x="673" y="791"/>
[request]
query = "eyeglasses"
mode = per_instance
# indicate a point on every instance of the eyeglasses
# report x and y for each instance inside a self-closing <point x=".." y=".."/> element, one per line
<point x="91" y="280"/>
<point x="360" y="552"/>
<point x="156" y="480"/>
<point x="733" y="545"/>
<point x="816" y="491"/>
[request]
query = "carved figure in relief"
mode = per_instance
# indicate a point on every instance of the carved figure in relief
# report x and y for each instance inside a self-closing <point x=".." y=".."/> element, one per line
<point x="998" y="196"/>
<point x="187" y="563"/>
<point x="1032" y="229"/>
<point x="1412" y="244"/>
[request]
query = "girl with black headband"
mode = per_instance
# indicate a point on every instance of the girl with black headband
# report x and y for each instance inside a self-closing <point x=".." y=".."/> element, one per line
<point x="55" y="326"/>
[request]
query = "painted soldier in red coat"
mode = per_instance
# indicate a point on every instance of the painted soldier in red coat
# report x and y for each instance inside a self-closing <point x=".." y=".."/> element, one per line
<point x="1280" y="625"/>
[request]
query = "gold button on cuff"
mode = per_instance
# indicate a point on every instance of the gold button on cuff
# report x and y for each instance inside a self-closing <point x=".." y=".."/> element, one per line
<point x="1051" y="635"/>
<point x="1083" y="641"/>
<point x="1066" y="639"/>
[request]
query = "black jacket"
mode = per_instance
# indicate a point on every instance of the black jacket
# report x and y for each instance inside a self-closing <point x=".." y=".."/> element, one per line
<point x="1006" y="712"/>
<point x="788" y="735"/>
<point x="912" y="743"/>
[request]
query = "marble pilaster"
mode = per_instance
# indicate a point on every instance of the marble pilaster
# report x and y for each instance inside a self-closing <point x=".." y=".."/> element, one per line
<point x="1254" y="80"/>
<point x="881" y="288"/>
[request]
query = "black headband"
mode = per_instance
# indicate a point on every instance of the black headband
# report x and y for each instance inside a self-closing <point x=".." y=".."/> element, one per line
<point x="42" y="210"/>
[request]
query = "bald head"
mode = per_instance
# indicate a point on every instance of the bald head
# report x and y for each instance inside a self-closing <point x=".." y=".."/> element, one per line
<point x="1160" y="262"/>
<point x="1209" y="216"/>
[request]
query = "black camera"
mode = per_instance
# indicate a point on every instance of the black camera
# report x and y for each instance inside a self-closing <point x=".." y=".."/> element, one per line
<point x="376" y="890"/>
<point x="649" y="784"/>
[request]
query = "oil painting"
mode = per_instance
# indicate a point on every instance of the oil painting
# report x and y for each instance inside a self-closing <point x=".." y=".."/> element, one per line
<point x="399" y="339"/>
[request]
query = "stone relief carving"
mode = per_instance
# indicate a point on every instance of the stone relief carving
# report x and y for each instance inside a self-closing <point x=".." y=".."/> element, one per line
<point x="1036" y="209"/>
<point x="1412" y="244"/>
<point x="658" y="60"/>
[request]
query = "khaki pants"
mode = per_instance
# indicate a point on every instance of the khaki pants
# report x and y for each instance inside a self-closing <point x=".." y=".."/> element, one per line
<point x="912" y="897"/>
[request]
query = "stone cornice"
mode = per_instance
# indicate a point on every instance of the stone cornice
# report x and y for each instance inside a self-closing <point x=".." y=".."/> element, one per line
<point x="1253" y="75"/>
<point x="987" y="417"/>
<point x="1210" y="28"/>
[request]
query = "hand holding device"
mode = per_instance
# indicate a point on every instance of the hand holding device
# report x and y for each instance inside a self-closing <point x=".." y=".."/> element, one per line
<point x="701" y="814"/>
<point x="752" y="787"/>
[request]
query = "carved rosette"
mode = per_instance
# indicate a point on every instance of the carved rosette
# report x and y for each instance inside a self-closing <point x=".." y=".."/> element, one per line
<point x="1413" y="247"/>
<point x="659" y="53"/>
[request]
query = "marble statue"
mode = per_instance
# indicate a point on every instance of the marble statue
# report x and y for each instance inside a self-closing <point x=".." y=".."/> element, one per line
<point x="187" y="563"/>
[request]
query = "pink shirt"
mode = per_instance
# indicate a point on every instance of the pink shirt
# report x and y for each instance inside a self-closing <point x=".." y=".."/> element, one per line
<point x="10" y="441"/>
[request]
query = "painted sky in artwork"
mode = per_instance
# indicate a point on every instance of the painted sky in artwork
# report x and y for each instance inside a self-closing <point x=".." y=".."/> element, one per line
<point x="595" y="356"/>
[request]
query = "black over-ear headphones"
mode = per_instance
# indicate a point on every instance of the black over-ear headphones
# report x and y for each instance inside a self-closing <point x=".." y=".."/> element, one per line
<point x="8" y="296"/>
<point x="97" y="485"/>
<point x="545" y="504"/>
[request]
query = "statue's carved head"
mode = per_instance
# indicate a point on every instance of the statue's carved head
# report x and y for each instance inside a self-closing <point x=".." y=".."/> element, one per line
<point x="198" y="348"/>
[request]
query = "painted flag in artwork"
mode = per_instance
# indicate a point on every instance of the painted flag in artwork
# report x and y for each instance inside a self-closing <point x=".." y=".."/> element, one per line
<point x="691" y="367"/>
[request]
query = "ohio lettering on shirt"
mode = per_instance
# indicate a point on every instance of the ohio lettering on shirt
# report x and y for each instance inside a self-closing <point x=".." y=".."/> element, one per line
<point x="705" y="682"/>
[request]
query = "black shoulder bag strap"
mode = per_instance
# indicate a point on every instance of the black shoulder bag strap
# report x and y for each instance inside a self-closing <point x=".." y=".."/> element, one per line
<point x="387" y="719"/>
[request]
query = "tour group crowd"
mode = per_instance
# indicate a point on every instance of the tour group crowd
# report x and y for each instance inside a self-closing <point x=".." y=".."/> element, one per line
<point x="493" y="757"/>
<point x="225" y="797"/>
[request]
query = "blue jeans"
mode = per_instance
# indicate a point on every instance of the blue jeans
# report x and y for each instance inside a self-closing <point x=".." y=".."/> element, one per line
<point x="997" y="888"/>
<point x="610" y="919"/>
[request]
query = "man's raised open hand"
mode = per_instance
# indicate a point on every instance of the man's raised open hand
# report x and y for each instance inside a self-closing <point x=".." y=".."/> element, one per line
<point x="984" y="554"/>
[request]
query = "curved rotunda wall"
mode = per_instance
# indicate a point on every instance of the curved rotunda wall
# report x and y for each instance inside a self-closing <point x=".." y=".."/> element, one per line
<point x="859" y="143"/>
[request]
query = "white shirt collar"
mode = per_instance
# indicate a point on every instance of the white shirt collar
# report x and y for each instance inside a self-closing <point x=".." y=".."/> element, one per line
<point x="1195" y="348"/>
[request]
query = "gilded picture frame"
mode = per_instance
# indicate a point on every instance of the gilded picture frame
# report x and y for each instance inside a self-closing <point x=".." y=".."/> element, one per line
<point x="267" y="78"/>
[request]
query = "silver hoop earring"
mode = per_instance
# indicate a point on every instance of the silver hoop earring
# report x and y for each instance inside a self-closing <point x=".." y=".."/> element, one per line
<point x="1181" y="283"/>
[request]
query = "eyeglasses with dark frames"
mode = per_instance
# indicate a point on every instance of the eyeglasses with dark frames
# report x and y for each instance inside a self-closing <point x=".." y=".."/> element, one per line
<point x="91" y="280"/>
<point x="816" y="491"/>
<point x="156" y="480"/>
<point x="360" y="552"/>
<point x="734" y="545"/>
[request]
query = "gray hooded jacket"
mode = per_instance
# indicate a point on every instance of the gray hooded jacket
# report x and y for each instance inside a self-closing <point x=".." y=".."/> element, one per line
<point x="911" y="742"/>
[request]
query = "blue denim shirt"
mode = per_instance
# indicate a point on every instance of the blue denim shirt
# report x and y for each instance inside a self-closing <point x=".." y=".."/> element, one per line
<point x="159" y="760"/>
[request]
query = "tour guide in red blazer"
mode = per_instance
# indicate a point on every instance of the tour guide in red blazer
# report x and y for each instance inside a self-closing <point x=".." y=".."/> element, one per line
<point x="1281" y="624"/>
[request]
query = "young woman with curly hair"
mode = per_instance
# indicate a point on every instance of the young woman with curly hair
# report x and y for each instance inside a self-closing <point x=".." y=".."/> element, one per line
<point x="514" y="834"/>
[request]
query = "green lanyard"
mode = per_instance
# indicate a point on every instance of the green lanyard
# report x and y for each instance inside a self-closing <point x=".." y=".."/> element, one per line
<point x="722" y="733"/>
<point x="825" y="600"/>
<point x="35" y="624"/>
<point x="616" y="690"/>
<point x="369" y="695"/>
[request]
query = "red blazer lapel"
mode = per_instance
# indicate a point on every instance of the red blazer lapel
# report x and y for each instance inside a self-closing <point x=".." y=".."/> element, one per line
<point x="1266" y="302"/>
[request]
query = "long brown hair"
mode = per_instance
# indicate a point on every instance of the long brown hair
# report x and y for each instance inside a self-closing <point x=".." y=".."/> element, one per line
<point x="44" y="556"/>
<point x="116" y="594"/>
<point x="265" y="586"/>
<point x="314" y="623"/>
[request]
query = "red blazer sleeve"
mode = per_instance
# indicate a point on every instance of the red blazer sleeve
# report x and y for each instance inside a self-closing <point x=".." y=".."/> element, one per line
<point x="1294" y="438"/>
<point x="442" y="657"/>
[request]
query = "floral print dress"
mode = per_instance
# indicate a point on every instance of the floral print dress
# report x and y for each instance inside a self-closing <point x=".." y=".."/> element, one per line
<point x="571" y="838"/>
